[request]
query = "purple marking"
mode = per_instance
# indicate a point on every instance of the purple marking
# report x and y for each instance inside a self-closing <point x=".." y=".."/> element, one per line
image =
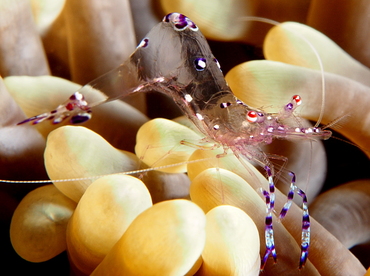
<point x="267" y="198"/>
<point x="304" y="246"/>
<point x="180" y="21"/>
<point x="281" y="128"/>
<point x="272" y="188"/>
<point x="25" y="121"/>
<point x="224" y="105"/>
<point x="180" y="26"/>
<point x="218" y="64"/>
<point x="80" y="118"/>
<point x="289" y="106"/>
<point x="306" y="224"/>
<point x="304" y="256"/>
<point x="283" y="212"/>
<point x="268" y="170"/>
<point x="303" y="195"/>
<point x="200" y="64"/>
<point x="265" y="257"/>
<point x="303" y="259"/>
<point x="268" y="222"/>
<point x="168" y="17"/>
<point x="143" y="43"/>
<point x="292" y="174"/>
<point x="38" y="121"/>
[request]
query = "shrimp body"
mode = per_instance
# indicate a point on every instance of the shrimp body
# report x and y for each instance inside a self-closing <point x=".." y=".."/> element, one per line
<point x="182" y="66"/>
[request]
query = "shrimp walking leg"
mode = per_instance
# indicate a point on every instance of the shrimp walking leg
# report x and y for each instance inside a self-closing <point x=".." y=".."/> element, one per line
<point x="305" y="238"/>
<point x="270" y="205"/>
<point x="269" y="232"/>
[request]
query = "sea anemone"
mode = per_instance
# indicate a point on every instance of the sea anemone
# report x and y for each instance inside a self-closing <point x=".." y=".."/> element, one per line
<point x="80" y="40"/>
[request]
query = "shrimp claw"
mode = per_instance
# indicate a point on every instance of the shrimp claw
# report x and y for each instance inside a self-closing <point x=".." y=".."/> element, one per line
<point x="75" y="107"/>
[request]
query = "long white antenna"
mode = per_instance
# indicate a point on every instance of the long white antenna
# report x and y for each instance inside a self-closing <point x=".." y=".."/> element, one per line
<point x="276" y="23"/>
<point x="99" y="176"/>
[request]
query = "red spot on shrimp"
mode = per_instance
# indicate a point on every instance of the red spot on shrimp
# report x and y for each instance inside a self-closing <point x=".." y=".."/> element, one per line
<point x="252" y="116"/>
<point x="297" y="99"/>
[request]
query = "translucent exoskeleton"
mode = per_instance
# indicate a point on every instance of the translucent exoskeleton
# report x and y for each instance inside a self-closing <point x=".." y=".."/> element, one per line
<point x="185" y="69"/>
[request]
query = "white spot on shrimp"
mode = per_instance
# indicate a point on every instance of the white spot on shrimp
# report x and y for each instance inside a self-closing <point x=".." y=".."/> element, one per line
<point x="78" y="96"/>
<point x="200" y="64"/>
<point x="138" y="88"/>
<point x="217" y="63"/>
<point x="188" y="98"/>
<point x="280" y="128"/>
<point x="143" y="43"/>
<point x="224" y="105"/>
<point x="245" y="123"/>
<point x="180" y="22"/>
<point x="160" y="79"/>
<point x="199" y="116"/>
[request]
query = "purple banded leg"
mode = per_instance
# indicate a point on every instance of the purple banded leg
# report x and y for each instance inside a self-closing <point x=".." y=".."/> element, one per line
<point x="271" y="187"/>
<point x="305" y="238"/>
<point x="269" y="231"/>
<point x="306" y="229"/>
<point x="290" y="196"/>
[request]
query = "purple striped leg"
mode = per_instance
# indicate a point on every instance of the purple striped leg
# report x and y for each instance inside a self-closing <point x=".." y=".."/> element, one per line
<point x="269" y="232"/>
<point x="305" y="239"/>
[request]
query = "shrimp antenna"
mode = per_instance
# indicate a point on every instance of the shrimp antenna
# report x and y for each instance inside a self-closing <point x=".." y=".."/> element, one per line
<point x="99" y="176"/>
<point x="317" y="55"/>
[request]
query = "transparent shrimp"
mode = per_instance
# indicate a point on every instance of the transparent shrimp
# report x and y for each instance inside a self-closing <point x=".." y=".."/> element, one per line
<point x="186" y="70"/>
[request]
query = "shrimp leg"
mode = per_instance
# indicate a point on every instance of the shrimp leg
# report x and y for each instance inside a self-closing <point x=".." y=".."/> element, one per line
<point x="306" y="225"/>
<point x="269" y="231"/>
